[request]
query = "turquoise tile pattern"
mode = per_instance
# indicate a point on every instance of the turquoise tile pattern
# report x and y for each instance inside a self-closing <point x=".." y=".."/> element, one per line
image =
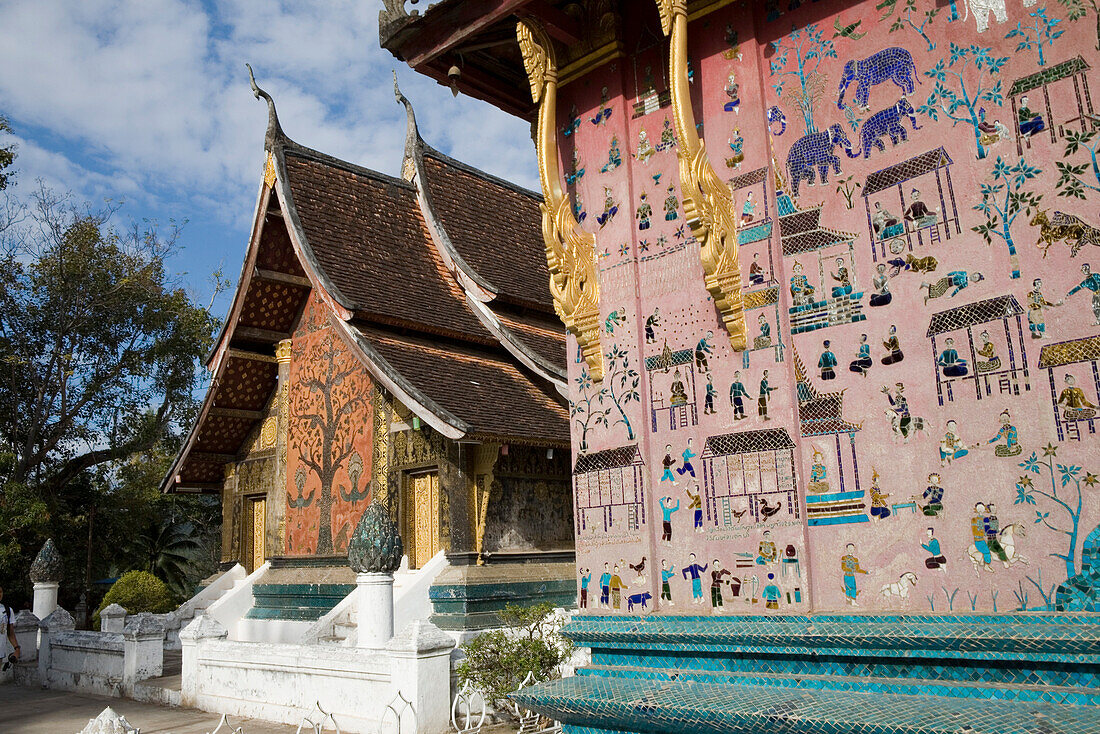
<point x="832" y="674"/>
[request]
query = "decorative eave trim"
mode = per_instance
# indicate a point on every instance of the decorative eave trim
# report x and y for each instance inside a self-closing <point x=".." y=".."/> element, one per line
<point x="406" y="393"/>
<point x="570" y="250"/>
<point x="708" y="201"/>
<point x="518" y="348"/>
<point x="170" y="479"/>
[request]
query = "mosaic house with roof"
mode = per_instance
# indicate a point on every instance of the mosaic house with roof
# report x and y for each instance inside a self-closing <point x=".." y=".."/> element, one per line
<point x="827" y="271"/>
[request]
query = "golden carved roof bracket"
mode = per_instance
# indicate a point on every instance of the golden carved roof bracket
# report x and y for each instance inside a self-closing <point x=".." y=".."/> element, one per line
<point x="708" y="201"/>
<point x="570" y="251"/>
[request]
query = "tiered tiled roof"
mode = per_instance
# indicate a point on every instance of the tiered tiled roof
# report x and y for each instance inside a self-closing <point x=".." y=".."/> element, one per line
<point x="475" y="354"/>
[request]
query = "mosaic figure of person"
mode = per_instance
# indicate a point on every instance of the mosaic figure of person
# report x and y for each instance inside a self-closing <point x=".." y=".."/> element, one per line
<point x="668" y="463"/>
<point x="610" y="208"/>
<point x="1091" y="282"/>
<point x="1075" y="406"/>
<point x="644" y="213"/>
<point x="884" y="223"/>
<point x="801" y="290"/>
<point x="614" y="157"/>
<point x="936" y="558"/>
<point x="892" y="346"/>
<point x="992" y="527"/>
<point x="766" y="552"/>
<point x="679" y="394"/>
<point x="652" y="323"/>
<point x="978" y="524"/>
<point x="738" y="396"/>
<point x="645" y="148"/>
<point x="694" y="571"/>
<point x="862" y="363"/>
<point x="702" y="350"/>
<point x="605" y="587"/>
<point x="1037" y="305"/>
<point x="849" y="566"/>
<point x="764" y="338"/>
<point x="668" y="136"/>
<point x="708" y="398"/>
<point x="717" y="576"/>
<point x="756" y="270"/>
<point x="667" y="508"/>
<point x="667" y="572"/>
<point x="617" y="587"/>
<point x="748" y="209"/>
<point x="1030" y="122"/>
<point x="880" y="508"/>
<point x="950" y="362"/>
<point x="951" y="445"/>
<point x="672" y="205"/>
<point x="586" y="579"/>
<point x="1008" y="433"/>
<point x="686" y="466"/>
<point x="919" y="213"/>
<point x="990" y="361"/>
<point x="842" y="278"/>
<point x="764" y="396"/>
<point x="881" y="283"/>
<point x="931" y="502"/>
<point x="771" y="593"/>
<point x="902" y="420"/>
<point x="827" y="362"/>
<point x="819" y="481"/>
<point x="955" y="281"/>
<point x="696" y="507"/>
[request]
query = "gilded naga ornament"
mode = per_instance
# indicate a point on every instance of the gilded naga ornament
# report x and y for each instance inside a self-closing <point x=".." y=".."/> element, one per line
<point x="570" y="251"/>
<point x="708" y="201"/>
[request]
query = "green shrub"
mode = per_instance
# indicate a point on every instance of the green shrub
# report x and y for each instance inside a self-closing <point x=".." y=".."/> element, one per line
<point x="497" y="662"/>
<point x="137" y="591"/>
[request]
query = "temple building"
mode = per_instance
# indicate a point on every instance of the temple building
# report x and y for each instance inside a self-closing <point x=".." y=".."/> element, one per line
<point x="390" y="339"/>
<point x="806" y="255"/>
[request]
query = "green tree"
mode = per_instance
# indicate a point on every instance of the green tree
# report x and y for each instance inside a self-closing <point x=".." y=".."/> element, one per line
<point x="963" y="84"/>
<point x="497" y="662"/>
<point x="99" y="345"/>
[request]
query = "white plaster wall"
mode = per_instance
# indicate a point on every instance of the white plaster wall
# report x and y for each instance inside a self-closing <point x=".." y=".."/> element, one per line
<point x="231" y="607"/>
<point x="290" y="631"/>
<point x="90" y="662"/>
<point x="282" y="682"/>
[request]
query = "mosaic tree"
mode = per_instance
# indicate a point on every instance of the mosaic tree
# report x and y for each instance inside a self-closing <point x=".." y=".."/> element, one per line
<point x="1003" y="201"/>
<point x="1067" y="506"/>
<point x="621" y="386"/>
<point x="905" y="20"/>
<point x="959" y="95"/>
<point x="1076" y="9"/>
<point x="584" y="411"/>
<point x="1039" y="33"/>
<point x="803" y="84"/>
<point x="1072" y="177"/>
<point x="327" y="411"/>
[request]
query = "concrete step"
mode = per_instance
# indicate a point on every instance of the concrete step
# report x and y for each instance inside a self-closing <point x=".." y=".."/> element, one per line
<point x="164" y="690"/>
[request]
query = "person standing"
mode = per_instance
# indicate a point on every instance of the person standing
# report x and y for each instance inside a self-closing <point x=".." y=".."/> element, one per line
<point x="605" y="587"/>
<point x="685" y="466"/>
<point x="1091" y="282"/>
<point x="696" y="507"/>
<point x="8" y="630"/>
<point x="765" y="395"/>
<point x="667" y="508"/>
<point x="667" y="572"/>
<point x="586" y="578"/>
<point x="849" y="565"/>
<point x="738" y="395"/>
<point x="694" y="571"/>
<point x="717" y="574"/>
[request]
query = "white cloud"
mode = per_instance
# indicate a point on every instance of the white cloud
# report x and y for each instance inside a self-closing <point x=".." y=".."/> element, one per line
<point x="150" y="98"/>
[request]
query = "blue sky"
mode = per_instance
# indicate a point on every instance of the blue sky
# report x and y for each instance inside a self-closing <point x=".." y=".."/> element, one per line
<point x="147" y="102"/>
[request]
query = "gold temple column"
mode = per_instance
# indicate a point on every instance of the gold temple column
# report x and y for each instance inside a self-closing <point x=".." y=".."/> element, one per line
<point x="231" y="516"/>
<point x="276" y="501"/>
<point x="380" y="452"/>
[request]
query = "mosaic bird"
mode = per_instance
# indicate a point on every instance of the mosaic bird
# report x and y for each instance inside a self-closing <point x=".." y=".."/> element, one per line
<point x="639" y="570"/>
<point x="767" y="510"/>
<point x="848" y="31"/>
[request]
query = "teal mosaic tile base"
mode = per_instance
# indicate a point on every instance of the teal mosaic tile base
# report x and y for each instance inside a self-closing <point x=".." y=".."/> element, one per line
<point x="598" y="704"/>
<point x="305" y="602"/>
<point x="833" y="674"/>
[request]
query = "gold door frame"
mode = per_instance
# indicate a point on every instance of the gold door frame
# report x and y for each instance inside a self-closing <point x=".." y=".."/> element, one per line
<point x="421" y="510"/>
<point x="254" y="542"/>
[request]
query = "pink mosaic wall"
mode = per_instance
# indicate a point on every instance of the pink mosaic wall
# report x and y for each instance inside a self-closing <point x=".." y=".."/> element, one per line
<point x="914" y="426"/>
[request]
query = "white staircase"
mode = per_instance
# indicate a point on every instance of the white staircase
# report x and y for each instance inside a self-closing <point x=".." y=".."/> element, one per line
<point x="410" y="602"/>
<point x="176" y="620"/>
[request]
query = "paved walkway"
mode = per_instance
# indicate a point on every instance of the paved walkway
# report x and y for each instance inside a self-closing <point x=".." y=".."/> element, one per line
<point x="25" y="710"/>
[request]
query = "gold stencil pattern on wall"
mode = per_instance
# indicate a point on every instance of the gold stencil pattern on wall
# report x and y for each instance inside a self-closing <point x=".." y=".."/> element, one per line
<point x="423" y="509"/>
